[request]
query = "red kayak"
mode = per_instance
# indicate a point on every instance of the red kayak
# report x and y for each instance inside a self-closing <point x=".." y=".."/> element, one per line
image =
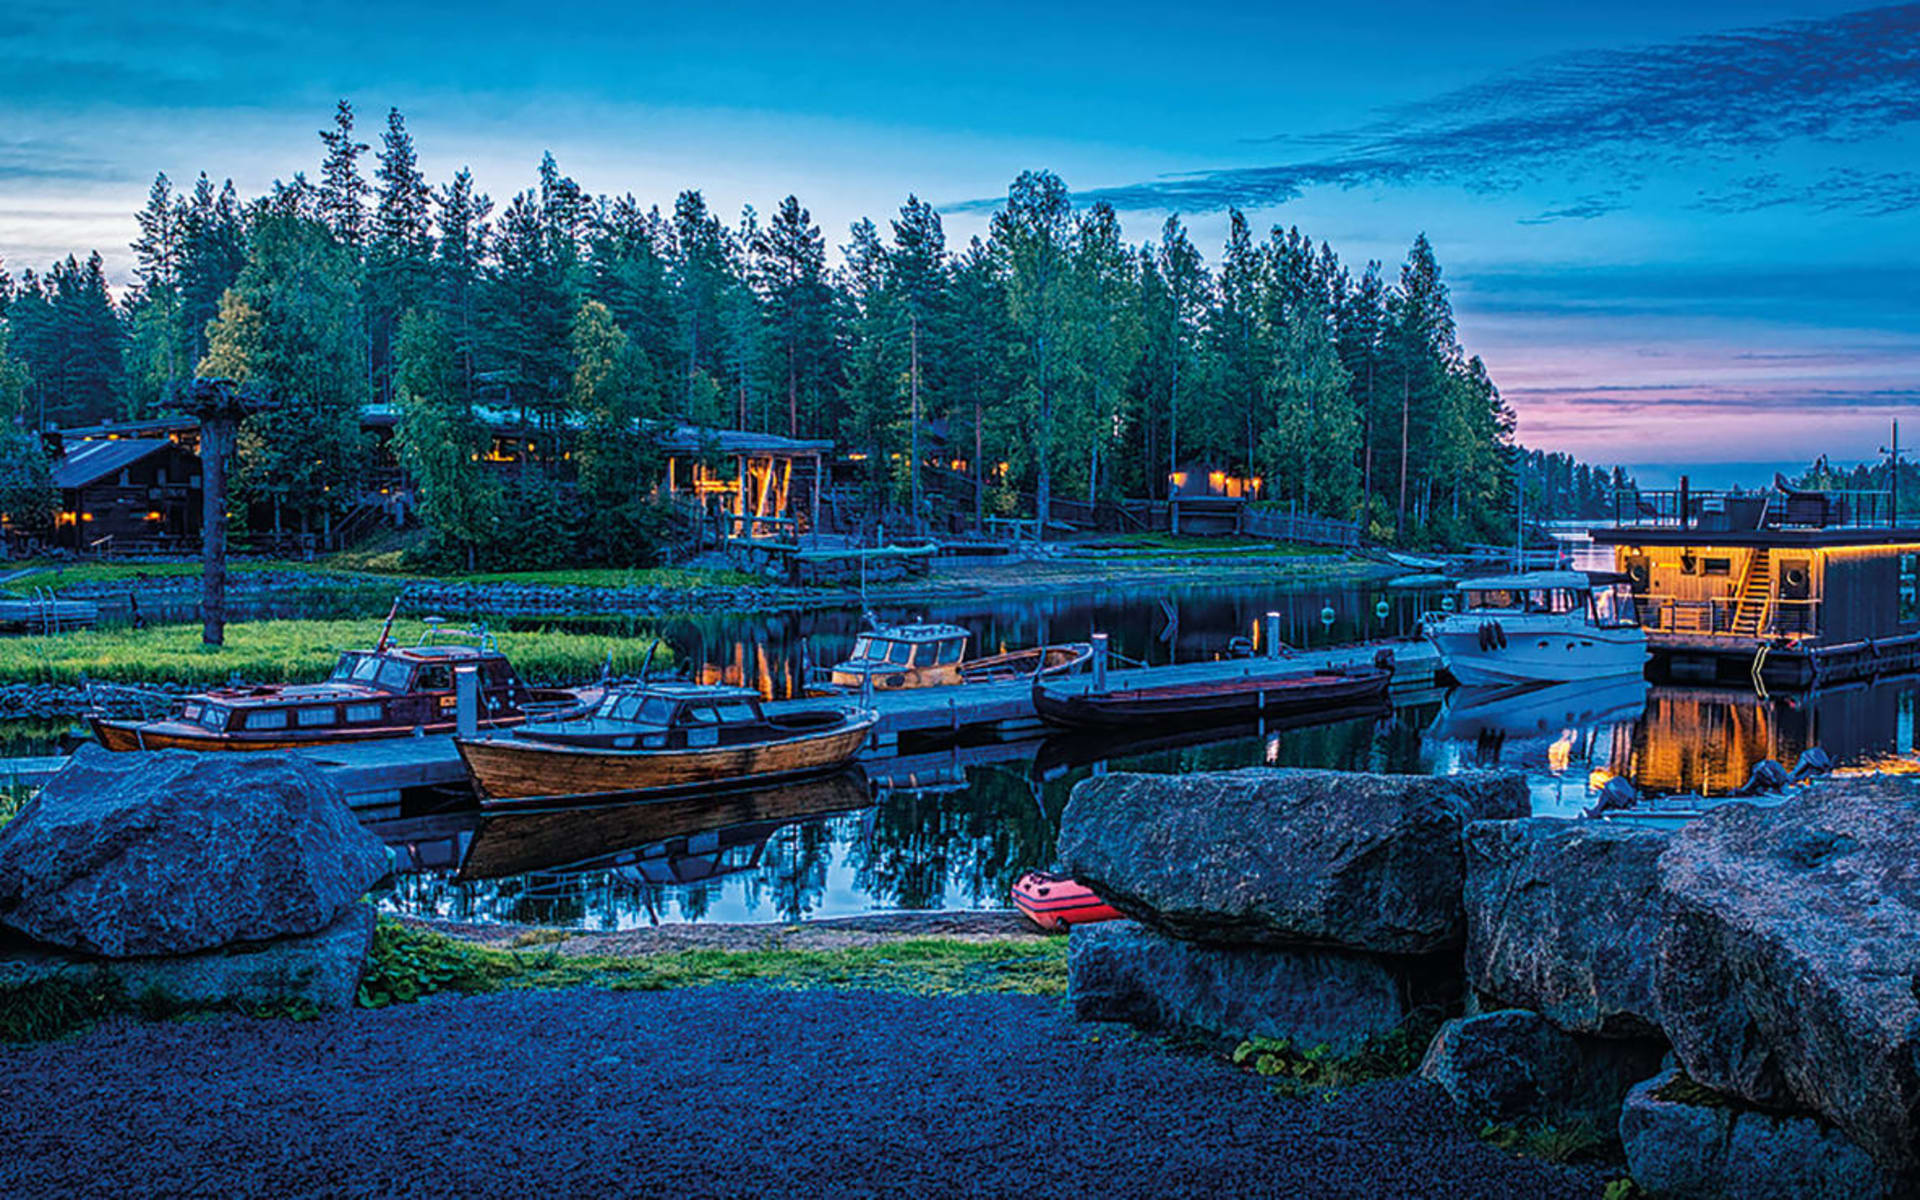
<point x="1057" y="901"/>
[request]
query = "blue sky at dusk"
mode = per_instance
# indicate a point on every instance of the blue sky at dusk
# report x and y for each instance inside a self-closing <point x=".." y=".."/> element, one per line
<point x="1675" y="232"/>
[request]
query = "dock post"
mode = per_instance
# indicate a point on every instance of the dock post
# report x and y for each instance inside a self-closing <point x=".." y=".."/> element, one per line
<point x="1273" y="635"/>
<point x="1099" y="641"/>
<point x="466" y="701"/>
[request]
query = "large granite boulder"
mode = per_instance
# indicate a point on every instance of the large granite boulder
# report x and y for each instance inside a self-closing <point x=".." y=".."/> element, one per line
<point x="1787" y="958"/>
<point x="1688" y="1150"/>
<point x="172" y="852"/>
<point x="1561" y="919"/>
<point x="1286" y="857"/>
<point x="1514" y="1065"/>
<point x="1120" y="971"/>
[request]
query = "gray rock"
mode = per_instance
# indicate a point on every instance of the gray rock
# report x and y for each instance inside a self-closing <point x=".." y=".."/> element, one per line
<point x="318" y="969"/>
<point x="1787" y="960"/>
<point x="1561" y="919"/>
<point x="171" y="852"/>
<point x="1514" y="1065"/>
<point x="1720" y="1152"/>
<point x="1120" y="971"/>
<point x="1286" y="857"/>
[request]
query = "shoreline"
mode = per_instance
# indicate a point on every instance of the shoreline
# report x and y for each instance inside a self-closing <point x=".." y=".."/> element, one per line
<point x="823" y="934"/>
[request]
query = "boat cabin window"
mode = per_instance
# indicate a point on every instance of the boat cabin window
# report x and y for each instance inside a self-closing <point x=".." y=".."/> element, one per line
<point x="641" y="710"/>
<point x="309" y="717"/>
<point x="344" y="669"/>
<point x="900" y="653"/>
<point x="214" y="717"/>
<point x="267" y="718"/>
<point x="950" y="650"/>
<point x="190" y="711"/>
<point x="864" y="648"/>
<point x="395" y="674"/>
<point x="365" y="669"/>
<point x="436" y="677"/>
<point x="1494" y="598"/>
<point x="358" y="713"/>
<point x="732" y="712"/>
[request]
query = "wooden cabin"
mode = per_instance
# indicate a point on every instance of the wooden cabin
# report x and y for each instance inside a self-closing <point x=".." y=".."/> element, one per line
<point x="742" y="486"/>
<point x="1202" y="499"/>
<point x="127" y="494"/>
<point x="1786" y="587"/>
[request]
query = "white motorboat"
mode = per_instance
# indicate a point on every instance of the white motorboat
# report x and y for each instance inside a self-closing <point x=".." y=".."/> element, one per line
<point x="1540" y="627"/>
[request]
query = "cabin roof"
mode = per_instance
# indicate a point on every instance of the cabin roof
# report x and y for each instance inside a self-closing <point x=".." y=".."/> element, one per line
<point x="690" y="692"/>
<point x="1530" y="580"/>
<point x="91" y="461"/>
<point x="437" y="653"/>
<point x="921" y="632"/>
<point x="691" y="439"/>
<point x="1835" y="536"/>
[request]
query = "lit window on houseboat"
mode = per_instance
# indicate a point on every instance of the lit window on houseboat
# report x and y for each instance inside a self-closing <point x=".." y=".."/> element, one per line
<point x="309" y="717"/>
<point x="267" y="718"/>
<point x="361" y="713"/>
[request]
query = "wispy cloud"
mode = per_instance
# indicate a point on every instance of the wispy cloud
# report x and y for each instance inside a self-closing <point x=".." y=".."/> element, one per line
<point x="1837" y="80"/>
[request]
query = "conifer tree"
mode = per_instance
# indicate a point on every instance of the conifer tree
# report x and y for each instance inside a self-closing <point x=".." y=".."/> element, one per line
<point x="1032" y="239"/>
<point x="343" y="192"/>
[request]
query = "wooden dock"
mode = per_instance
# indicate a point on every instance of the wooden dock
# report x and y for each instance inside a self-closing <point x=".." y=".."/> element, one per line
<point x="377" y="775"/>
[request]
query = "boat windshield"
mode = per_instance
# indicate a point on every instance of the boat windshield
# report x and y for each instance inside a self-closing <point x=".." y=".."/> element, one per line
<point x="365" y="669"/>
<point x="396" y="675"/>
<point x="343" y="670"/>
<point x="638" y="710"/>
<point x="865" y="649"/>
<point x="1613" y="607"/>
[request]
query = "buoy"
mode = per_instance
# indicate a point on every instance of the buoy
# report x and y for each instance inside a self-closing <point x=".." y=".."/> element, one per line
<point x="1326" y="616"/>
<point x="1380" y="609"/>
<point x="1446" y="602"/>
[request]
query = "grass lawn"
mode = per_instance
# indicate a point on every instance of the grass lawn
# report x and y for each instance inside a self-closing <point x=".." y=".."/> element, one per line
<point x="284" y="652"/>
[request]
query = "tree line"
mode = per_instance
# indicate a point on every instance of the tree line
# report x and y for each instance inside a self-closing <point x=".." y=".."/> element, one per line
<point x="1049" y="358"/>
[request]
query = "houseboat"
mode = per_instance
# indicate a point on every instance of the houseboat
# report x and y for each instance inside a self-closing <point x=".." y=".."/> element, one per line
<point x="388" y="691"/>
<point x="662" y="738"/>
<point x="1784" y="588"/>
<point x="1540" y="627"/>
<point x="935" y="655"/>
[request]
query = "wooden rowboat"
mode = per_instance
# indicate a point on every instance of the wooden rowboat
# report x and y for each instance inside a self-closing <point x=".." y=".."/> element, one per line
<point x="1275" y="693"/>
<point x="658" y="739"/>
<point x="894" y="657"/>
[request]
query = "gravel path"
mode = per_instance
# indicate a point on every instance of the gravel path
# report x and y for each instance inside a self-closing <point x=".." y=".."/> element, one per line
<point x="719" y="1091"/>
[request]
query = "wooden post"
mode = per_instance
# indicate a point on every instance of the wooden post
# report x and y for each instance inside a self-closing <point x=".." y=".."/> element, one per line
<point x="1273" y="635"/>
<point x="1100" y="652"/>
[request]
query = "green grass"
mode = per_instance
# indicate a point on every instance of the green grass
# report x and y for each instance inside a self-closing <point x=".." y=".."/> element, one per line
<point x="683" y="578"/>
<point x="284" y="652"/>
<point x="13" y="798"/>
<point x="408" y="963"/>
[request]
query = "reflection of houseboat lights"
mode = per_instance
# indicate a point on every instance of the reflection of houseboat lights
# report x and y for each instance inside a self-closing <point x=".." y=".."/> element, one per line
<point x="1598" y="778"/>
<point x="1560" y="753"/>
<point x="1273" y="750"/>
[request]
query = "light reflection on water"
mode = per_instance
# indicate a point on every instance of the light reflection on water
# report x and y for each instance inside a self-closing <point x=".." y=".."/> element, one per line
<point x="958" y="832"/>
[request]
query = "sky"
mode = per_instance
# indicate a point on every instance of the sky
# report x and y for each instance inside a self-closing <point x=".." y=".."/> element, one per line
<point x="1682" y="236"/>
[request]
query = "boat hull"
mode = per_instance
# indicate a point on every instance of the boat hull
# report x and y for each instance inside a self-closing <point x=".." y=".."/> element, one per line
<point x="1243" y="698"/>
<point x="1059" y="902"/>
<point x="509" y="771"/>
<point x="1539" y="650"/>
<point x="178" y="735"/>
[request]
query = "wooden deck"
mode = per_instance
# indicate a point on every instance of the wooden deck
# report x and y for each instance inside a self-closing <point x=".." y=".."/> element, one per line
<point x="374" y="775"/>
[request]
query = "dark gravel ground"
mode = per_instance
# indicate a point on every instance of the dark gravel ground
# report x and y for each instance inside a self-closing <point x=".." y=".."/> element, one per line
<point x="710" y="1092"/>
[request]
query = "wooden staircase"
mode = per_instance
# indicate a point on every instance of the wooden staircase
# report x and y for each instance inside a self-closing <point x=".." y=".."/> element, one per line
<point x="1755" y="596"/>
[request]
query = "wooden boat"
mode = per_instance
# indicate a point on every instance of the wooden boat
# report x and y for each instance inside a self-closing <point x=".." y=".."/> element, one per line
<point x="1276" y="692"/>
<point x="389" y="691"/>
<point x="662" y="738"/>
<point x="935" y="655"/>
<point x="1057" y="902"/>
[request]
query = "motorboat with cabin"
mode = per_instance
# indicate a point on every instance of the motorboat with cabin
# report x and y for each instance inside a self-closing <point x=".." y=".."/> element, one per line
<point x="929" y="654"/>
<point x="660" y="738"/>
<point x="1540" y="627"/>
<point x="386" y="692"/>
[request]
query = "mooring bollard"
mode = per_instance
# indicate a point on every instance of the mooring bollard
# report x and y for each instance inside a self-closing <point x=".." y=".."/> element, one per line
<point x="1273" y="635"/>
<point x="466" y="701"/>
<point x="1099" y="641"/>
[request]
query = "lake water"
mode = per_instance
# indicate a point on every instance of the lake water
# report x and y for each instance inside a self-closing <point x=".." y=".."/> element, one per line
<point x="953" y="826"/>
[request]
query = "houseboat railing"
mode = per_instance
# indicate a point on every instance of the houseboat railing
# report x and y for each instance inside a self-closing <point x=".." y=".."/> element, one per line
<point x="1733" y="512"/>
<point x="1716" y="617"/>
